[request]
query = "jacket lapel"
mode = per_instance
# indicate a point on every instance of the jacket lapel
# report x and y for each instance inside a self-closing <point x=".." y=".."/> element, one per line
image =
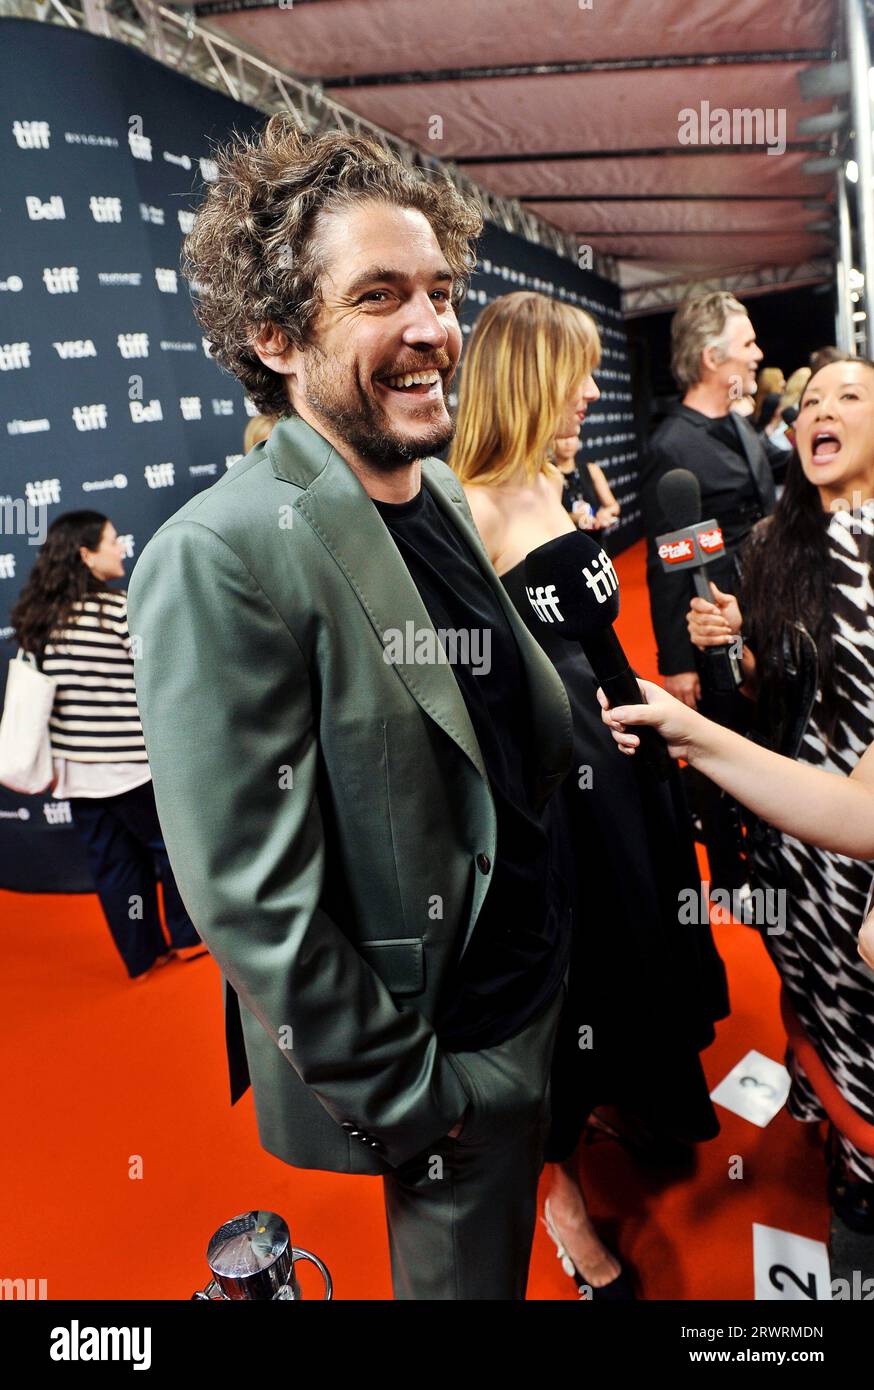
<point x="757" y="460"/>
<point x="340" y="512"/>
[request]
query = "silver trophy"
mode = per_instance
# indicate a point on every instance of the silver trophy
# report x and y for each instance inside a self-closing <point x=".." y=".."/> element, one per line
<point x="252" y="1257"/>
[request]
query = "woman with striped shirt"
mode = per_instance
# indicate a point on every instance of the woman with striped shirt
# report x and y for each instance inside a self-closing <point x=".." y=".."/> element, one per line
<point x="77" y="628"/>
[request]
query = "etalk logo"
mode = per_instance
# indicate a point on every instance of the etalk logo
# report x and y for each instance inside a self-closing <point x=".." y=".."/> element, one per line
<point x="711" y="541"/>
<point x="675" y="552"/>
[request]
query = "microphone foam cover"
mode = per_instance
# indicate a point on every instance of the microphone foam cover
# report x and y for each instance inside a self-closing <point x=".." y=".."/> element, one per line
<point x="679" y="494"/>
<point x="572" y="585"/>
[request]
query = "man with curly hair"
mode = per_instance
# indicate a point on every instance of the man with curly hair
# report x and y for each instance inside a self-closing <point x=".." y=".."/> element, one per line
<point x="353" y="737"/>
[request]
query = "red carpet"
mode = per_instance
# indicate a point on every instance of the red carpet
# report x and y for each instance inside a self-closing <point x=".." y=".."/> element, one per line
<point x="122" y="1154"/>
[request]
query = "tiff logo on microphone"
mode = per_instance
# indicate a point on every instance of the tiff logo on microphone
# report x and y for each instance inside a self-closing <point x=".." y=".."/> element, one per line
<point x="601" y="578"/>
<point x="544" y="601"/>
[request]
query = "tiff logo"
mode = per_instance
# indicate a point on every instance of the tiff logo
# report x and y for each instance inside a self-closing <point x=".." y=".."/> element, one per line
<point x="105" y="209"/>
<point x="61" y="279"/>
<point x="601" y="578"/>
<point x="31" y="135"/>
<point x="544" y="601"/>
<point x="43" y="492"/>
<point x="160" y="474"/>
<point x="90" y="417"/>
<point x="13" y="356"/>
<point x="133" y="344"/>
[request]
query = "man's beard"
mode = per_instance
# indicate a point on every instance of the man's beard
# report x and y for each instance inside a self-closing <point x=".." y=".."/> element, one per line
<point x="362" y="422"/>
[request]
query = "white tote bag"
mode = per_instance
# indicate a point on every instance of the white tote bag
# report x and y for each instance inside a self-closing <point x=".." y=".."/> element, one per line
<point x="25" y="743"/>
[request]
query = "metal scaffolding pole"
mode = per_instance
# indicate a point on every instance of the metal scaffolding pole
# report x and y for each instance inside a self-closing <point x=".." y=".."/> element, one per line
<point x="844" y="335"/>
<point x="859" y="54"/>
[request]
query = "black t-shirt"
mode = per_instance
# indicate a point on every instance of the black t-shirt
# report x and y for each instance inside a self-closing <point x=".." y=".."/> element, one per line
<point x="517" y="955"/>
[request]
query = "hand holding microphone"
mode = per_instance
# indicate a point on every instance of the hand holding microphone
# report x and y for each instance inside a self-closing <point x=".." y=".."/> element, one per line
<point x="712" y="624"/>
<point x="692" y="546"/>
<point x="675" y="721"/>
<point x="572" y="586"/>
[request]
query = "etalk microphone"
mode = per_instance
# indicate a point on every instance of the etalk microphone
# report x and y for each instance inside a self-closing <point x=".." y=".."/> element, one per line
<point x="692" y="546"/>
<point x="572" y="586"/>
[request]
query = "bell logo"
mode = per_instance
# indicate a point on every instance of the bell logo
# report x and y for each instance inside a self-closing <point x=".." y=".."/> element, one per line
<point x="52" y="210"/>
<point x="544" y="601"/>
<point x="140" y="146"/>
<point x="145" y="414"/>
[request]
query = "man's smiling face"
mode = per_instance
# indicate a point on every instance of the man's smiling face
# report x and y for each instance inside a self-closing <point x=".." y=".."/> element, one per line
<point x="386" y="316"/>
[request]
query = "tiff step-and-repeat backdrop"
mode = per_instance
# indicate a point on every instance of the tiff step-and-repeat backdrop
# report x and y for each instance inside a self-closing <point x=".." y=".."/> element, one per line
<point x="108" y="398"/>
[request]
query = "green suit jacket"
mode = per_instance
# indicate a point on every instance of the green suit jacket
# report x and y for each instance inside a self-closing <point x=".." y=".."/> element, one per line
<point x="326" y="811"/>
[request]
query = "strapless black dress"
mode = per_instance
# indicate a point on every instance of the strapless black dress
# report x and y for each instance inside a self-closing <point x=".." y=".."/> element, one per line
<point x="649" y="988"/>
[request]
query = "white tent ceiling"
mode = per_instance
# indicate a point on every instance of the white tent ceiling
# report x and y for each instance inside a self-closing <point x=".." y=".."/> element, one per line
<point x="575" y="111"/>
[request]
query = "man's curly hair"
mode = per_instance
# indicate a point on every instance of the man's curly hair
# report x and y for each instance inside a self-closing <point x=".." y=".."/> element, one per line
<point x="251" y="257"/>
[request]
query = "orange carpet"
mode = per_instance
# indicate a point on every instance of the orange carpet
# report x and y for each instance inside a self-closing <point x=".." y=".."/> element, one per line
<point x="122" y="1154"/>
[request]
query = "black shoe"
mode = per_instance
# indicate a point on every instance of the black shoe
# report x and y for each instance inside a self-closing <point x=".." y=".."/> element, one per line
<point x="851" y="1197"/>
<point x="619" y="1290"/>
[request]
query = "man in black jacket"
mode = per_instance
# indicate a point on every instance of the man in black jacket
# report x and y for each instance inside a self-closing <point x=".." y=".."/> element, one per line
<point x="714" y="357"/>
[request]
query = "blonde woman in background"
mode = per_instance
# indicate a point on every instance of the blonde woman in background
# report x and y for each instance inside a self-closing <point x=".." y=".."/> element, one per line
<point x="778" y="429"/>
<point x="257" y="430"/>
<point x="769" y="382"/>
<point x="634" y="974"/>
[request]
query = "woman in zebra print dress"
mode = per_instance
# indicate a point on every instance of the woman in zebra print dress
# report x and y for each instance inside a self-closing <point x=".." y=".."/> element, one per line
<point x="807" y="577"/>
<point x="807" y="583"/>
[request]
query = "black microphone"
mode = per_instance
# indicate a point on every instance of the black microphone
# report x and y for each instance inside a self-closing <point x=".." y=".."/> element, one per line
<point x="572" y="586"/>
<point x="692" y="546"/>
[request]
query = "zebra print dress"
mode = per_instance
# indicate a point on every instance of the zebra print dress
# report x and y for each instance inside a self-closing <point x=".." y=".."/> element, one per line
<point x="830" y="987"/>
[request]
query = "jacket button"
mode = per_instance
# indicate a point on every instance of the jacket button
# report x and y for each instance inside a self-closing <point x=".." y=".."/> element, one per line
<point x="346" y="1124"/>
<point x="483" y="863"/>
<point x="376" y="1146"/>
